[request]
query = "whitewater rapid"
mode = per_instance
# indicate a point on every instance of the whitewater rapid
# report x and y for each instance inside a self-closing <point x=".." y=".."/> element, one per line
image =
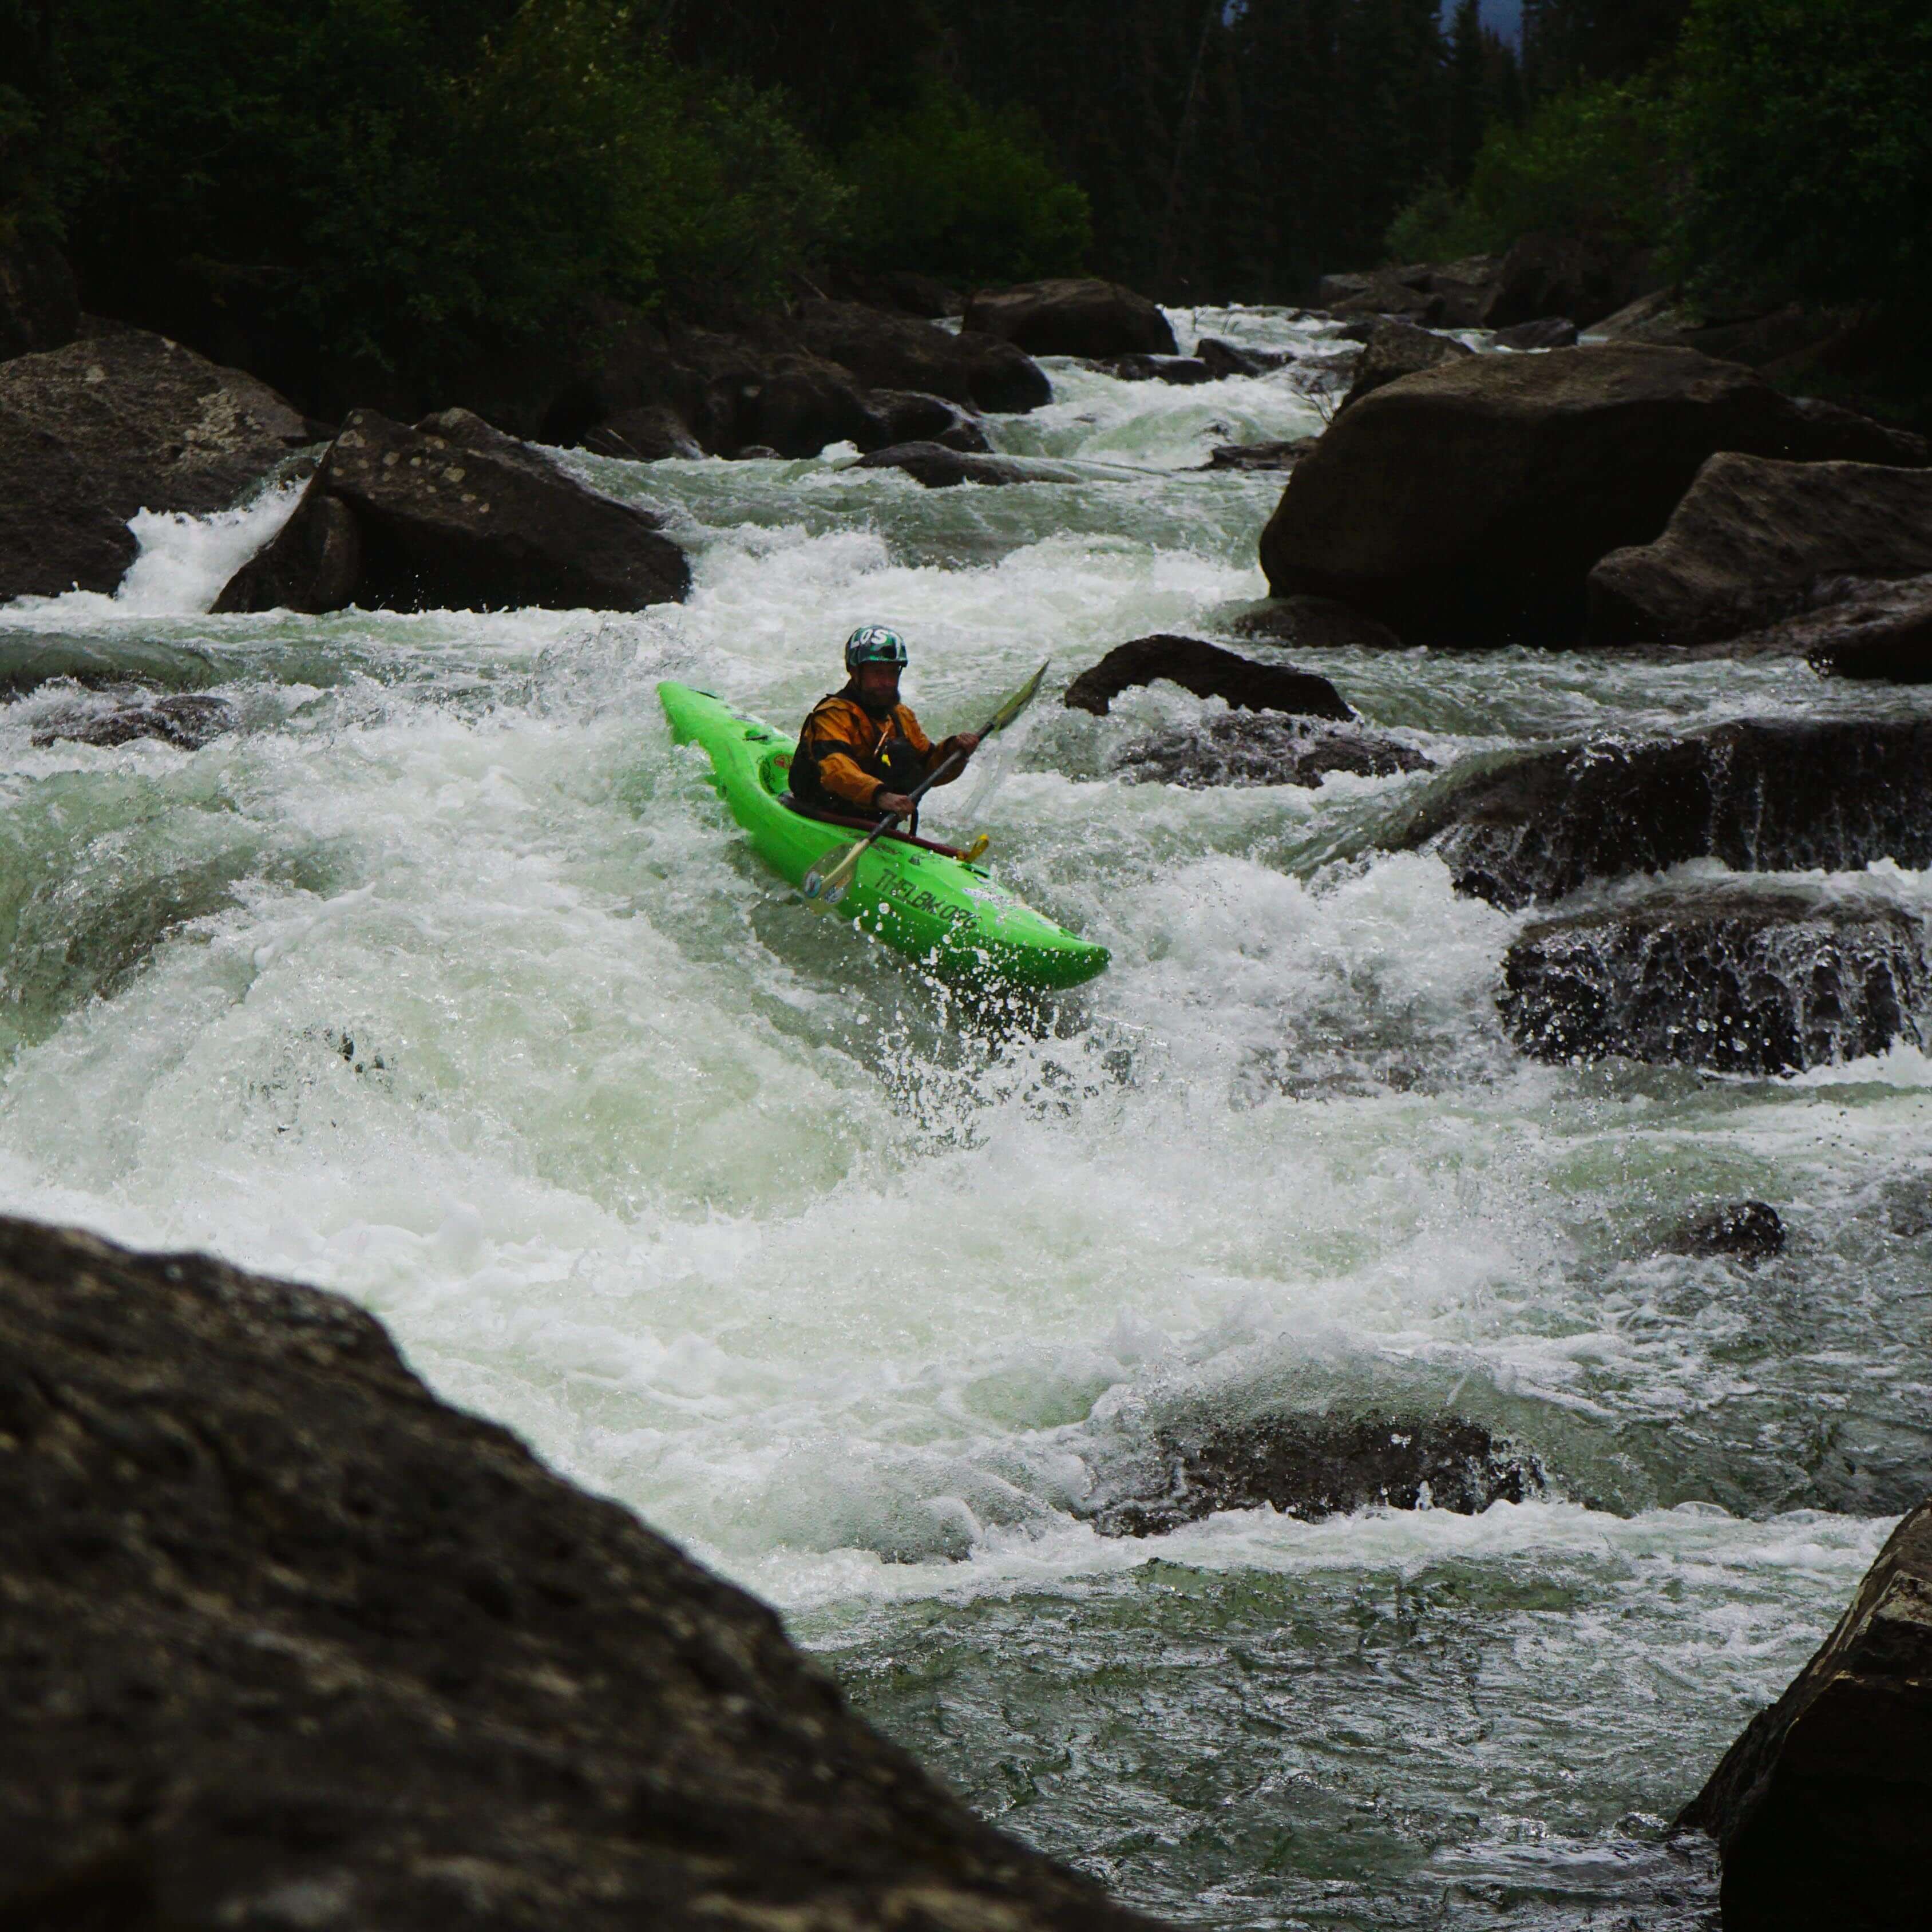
<point x="446" y="981"/>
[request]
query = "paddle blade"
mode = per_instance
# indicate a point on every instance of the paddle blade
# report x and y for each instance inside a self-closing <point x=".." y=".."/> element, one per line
<point x="1012" y="706"/>
<point x="825" y="886"/>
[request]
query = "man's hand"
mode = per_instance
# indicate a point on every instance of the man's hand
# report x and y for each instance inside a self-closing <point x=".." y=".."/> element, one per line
<point x="967" y="742"/>
<point x="891" y="804"/>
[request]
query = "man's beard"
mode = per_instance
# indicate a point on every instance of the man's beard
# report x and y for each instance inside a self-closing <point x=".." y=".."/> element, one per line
<point x="874" y="707"/>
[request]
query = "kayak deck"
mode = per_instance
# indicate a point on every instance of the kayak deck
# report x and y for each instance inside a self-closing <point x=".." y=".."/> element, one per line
<point x="934" y="907"/>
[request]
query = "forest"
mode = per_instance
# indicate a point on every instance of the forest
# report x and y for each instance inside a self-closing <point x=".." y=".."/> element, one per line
<point x="391" y="177"/>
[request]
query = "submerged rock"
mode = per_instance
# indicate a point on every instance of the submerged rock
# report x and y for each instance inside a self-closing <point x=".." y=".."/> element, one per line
<point x="1740" y="983"/>
<point x="1752" y="540"/>
<point x="1318" y="622"/>
<point x="1467" y="504"/>
<point x="1208" y="671"/>
<point x="1223" y="359"/>
<point x="112" y="424"/>
<point x="250" y="1561"/>
<point x="1773" y="795"/>
<point x="1260" y="455"/>
<point x="1251" y="747"/>
<point x="453" y="515"/>
<point x="1073" y="316"/>
<point x="1822" y="1809"/>
<point x="1751" y="1231"/>
<point x="187" y="720"/>
<point x="1399" y="348"/>
<point x="1312" y="1466"/>
<point x="940" y="468"/>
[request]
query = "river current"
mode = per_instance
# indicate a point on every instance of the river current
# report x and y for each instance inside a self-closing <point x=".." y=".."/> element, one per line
<point x="447" y="982"/>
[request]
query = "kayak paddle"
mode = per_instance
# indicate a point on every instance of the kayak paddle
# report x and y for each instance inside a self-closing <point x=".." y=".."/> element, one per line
<point x="824" y="889"/>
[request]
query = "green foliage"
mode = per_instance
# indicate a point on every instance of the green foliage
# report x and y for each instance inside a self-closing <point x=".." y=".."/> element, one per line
<point x="955" y="191"/>
<point x="1595" y="161"/>
<point x="1805" y="126"/>
<point x="396" y="179"/>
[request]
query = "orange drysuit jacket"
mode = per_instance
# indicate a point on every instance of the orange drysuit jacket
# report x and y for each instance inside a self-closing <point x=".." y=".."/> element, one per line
<point x="846" y="757"/>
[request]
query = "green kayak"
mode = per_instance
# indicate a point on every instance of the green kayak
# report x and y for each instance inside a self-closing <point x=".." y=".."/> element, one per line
<point x="934" y="908"/>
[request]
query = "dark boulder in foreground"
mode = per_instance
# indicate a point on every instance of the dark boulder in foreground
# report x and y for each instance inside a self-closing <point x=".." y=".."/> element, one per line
<point x="1071" y="316"/>
<point x="898" y="352"/>
<point x="1741" y="982"/>
<point x="187" y="720"/>
<point x="1208" y="671"/>
<point x="1822" y="1809"/>
<point x="453" y="515"/>
<point x="1312" y="1466"/>
<point x="1398" y="349"/>
<point x="1752" y="542"/>
<point x="1467" y="505"/>
<point x="39" y="304"/>
<point x="290" y="1643"/>
<point x="113" y="424"/>
<point x="1748" y="1231"/>
<point x="1263" y="748"/>
<point x="1776" y="795"/>
<point x="939" y="467"/>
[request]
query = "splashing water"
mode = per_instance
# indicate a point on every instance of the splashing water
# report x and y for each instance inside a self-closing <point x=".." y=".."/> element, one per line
<point x="446" y="981"/>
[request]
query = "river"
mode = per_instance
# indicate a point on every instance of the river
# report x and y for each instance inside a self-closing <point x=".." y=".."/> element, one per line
<point x="447" y="982"/>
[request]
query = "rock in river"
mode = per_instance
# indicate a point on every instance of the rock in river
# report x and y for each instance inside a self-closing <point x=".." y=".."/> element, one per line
<point x="1884" y="633"/>
<point x="1397" y="349"/>
<point x="1208" y="671"/>
<point x="1467" y="505"/>
<point x="1773" y="795"/>
<point x="453" y="515"/>
<point x="1742" y="982"/>
<point x="1263" y="748"/>
<point x="290" y="1643"/>
<point x="187" y="720"/>
<point x="1751" y="1231"/>
<point x="115" y="423"/>
<point x="939" y="467"/>
<point x="1311" y="1466"/>
<point x="898" y="352"/>
<point x="1751" y="542"/>
<point x="1822" y="1809"/>
<point x="1071" y="316"/>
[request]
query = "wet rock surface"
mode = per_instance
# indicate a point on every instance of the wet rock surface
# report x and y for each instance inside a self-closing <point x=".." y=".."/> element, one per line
<point x="1260" y="455"/>
<point x="906" y="416"/>
<point x="1740" y="983"/>
<point x="1395" y="349"/>
<point x="1882" y="633"/>
<point x="1071" y="316"/>
<point x="453" y="515"/>
<point x="1262" y="748"/>
<point x="1208" y="671"/>
<point x="1467" y="505"/>
<point x="1317" y="622"/>
<point x="1549" y="331"/>
<point x="891" y="352"/>
<point x="110" y="424"/>
<point x="1752" y="540"/>
<point x="1822" y="1809"/>
<point x="247" y="1556"/>
<point x="646" y="435"/>
<point x="939" y="467"/>
<point x="1224" y="359"/>
<point x="1312" y="1466"/>
<point x="1182" y="370"/>
<point x="186" y="720"/>
<point x="1748" y="1231"/>
<point x="1770" y="796"/>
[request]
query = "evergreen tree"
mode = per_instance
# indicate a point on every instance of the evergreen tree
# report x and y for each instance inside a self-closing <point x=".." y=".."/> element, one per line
<point x="1469" y="89"/>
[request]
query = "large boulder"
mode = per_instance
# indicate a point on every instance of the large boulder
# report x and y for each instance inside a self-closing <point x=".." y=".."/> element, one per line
<point x="1207" y="671"/>
<point x="1742" y="982"/>
<point x="1822" y="1809"/>
<point x="1467" y="287"/>
<point x="1753" y="541"/>
<point x="289" y="1642"/>
<point x="1775" y="796"/>
<point x="39" y="305"/>
<point x="1467" y="505"/>
<point x="1884" y="634"/>
<point x="1380" y="291"/>
<point x="113" y="424"/>
<point x="906" y="416"/>
<point x="801" y="404"/>
<point x="1570" y="275"/>
<point x="1071" y="316"/>
<point x="898" y="352"/>
<point x="453" y="515"/>
<point x="1309" y="1467"/>
<point x="1398" y="349"/>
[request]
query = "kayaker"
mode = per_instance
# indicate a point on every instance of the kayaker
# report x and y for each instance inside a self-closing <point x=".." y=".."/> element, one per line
<point x="861" y="751"/>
